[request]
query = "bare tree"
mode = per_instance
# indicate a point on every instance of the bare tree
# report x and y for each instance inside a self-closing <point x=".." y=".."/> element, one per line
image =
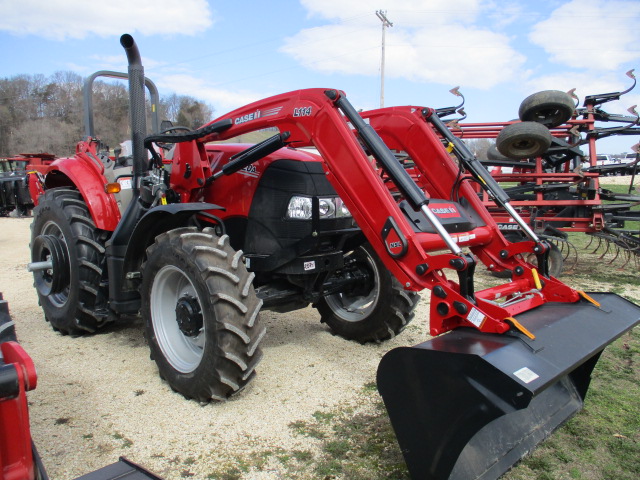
<point x="39" y="113"/>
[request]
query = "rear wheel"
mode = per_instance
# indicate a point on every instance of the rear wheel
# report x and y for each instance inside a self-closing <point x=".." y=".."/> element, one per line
<point x="373" y="310"/>
<point x="64" y="237"/>
<point x="201" y="314"/>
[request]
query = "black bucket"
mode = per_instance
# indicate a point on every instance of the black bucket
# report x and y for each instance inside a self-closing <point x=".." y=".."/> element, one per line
<point x="469" y="405"/>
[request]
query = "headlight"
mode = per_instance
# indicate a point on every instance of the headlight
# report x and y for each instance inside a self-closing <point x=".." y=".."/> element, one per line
<point x="341" y="208"/>
<point x="327" y="208"/>
<point x="300" y="208"/>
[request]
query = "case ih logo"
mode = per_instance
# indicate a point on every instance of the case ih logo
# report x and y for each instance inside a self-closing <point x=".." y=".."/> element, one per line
<point x="508" y="226"/>
<point x="445" y="210"/>
<point x="257" y="114"/>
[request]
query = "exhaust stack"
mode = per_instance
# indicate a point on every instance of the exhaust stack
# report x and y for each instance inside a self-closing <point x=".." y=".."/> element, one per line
<point x="137" y="109"/>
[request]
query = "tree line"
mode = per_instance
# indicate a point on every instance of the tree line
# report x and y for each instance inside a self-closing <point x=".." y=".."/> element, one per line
<point x="45" y="114"/>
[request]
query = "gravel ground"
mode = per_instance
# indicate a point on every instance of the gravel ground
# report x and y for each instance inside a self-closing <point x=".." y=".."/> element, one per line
<point x="100" y="397"/>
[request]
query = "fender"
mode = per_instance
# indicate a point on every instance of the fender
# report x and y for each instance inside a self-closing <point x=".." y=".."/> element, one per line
<point x="84" y="171"/>
<point x="156" y="221"/>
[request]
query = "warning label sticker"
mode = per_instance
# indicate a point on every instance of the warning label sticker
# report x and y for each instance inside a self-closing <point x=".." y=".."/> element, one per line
<point x="526" y="375"/>
<point x="476" y="317"/>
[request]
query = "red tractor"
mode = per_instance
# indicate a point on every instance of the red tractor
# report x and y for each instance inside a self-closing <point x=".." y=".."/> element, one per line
<point x="198" y="237"/>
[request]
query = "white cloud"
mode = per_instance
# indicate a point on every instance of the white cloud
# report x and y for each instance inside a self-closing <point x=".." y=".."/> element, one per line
<point x="435" y="41"/>
<point x="222" y="100"/>
<point x="591" y="34"/>
<point x="57" y="20"/>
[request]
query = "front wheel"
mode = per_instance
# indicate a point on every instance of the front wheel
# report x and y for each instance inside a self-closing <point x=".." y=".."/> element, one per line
<point x="372" y="310"/>
<point x="201" y="314"/>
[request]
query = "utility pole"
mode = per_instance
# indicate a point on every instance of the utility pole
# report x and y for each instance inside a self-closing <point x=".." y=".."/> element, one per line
<point x="382" y="15"/>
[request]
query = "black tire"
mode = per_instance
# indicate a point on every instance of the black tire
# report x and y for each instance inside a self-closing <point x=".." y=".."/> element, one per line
<point x="7" y="327"/>
<point x="550" y="108"/>
<point x="523" y="140"/>
<point x="201" y="314"/>
<point x="62" y="228"/>
<point x="376" y="310"/>
<point x="556" y="261"/>
<point x="494" y="154"/>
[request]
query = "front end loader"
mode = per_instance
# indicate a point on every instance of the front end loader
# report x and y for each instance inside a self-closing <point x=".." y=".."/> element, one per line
<point x="508" y="363"/>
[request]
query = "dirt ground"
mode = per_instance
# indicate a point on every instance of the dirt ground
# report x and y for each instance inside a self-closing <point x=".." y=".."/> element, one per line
<point x="100" y="397"/>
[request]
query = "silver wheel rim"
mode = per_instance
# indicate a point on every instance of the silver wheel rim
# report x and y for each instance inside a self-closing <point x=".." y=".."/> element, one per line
<point x="355" y="308"/>
<point x="182" y="352"/>
<point x="58" y="299"/>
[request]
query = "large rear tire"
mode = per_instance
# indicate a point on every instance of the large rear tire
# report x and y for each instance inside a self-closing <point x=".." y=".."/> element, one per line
<point x="372" y="311"/>
<point x="201" y="314"/>
<point x="63" y="232"/>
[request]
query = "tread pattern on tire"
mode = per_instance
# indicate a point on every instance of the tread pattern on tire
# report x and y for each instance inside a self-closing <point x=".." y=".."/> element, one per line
<point x="389" y="318"/>
<point x="232" y="327"/>
<point x="78" y="315"/>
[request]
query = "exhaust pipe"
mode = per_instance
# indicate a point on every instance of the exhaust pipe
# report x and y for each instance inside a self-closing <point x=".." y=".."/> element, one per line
<point x="137" y="109"/>
<point x="123" y="298"/>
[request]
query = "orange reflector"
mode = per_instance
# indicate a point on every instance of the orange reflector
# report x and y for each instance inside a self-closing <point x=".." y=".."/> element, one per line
<point x="112" y="187"/>
<point x="518" y="326"/>
<point x="588" y="298"/>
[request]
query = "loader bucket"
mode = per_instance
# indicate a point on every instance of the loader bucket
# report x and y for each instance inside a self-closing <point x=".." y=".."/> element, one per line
<point x="469" y="405"/>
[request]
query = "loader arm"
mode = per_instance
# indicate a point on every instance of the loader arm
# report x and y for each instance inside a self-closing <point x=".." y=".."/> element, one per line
<point x="325" y="119"/>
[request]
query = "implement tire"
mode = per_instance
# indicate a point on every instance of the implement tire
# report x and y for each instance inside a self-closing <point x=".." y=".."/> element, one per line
<point x="551" y="108"/>
<point x="201" y="314"/>
<point x="62" y="227"/>
<point x="523" y="140"/>
<point x="374" y="311"/>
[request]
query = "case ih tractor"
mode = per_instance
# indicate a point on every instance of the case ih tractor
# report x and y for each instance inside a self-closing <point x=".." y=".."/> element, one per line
<point x="209" y="234"/>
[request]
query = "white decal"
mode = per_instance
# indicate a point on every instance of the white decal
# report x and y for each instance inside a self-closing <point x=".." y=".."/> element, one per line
<point x="476" y="317"/>
<point x="302" y="112"/>
<point x="526" y="375"/>
<point x="257" y="114"/>
<point x="125" y="183"/>
<point x="309" y="265"/>
<point x="250" y="171"/>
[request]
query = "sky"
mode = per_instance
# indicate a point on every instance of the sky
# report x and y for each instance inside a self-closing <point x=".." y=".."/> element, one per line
<point x="229" y="53"/>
